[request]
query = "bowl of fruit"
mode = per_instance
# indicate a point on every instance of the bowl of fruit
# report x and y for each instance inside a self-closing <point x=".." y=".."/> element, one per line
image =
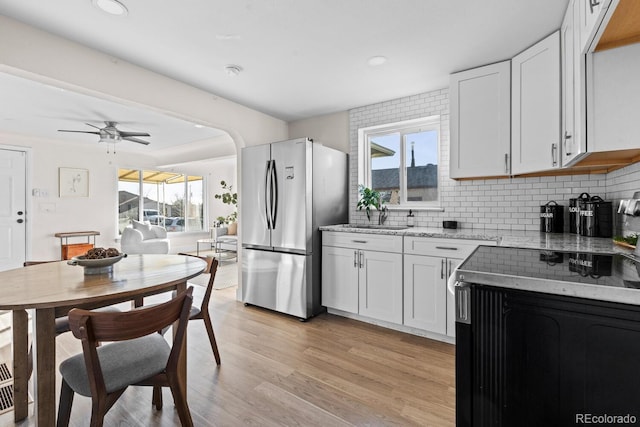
<point x="97" y="260"/>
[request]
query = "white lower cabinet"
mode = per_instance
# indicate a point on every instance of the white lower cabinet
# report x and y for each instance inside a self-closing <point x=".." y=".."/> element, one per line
<point x="340" y="278"/>
<point x="362" y="274"/>
<point x="380" y="286"/>
<point x="428" y="263"/>
<point x="424" y="293"/>
<point x="401" y="281"/>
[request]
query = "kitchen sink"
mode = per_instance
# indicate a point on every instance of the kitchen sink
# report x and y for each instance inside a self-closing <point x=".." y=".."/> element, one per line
<point x="380" y="227"/>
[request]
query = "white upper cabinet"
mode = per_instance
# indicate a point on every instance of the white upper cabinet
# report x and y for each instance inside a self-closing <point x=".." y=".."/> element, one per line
<point x="615" y="100"/>
<point x="535" y="107"/>
<point x="480" y="121"/>
<point x="573" y="90"/>
<point x="590" y="15"/>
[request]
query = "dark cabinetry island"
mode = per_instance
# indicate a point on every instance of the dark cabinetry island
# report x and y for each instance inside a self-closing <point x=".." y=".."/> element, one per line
<point x="535" y="358"/>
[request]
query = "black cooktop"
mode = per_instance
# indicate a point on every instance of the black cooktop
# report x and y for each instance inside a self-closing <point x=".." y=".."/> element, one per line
<point x="614" y="270"/>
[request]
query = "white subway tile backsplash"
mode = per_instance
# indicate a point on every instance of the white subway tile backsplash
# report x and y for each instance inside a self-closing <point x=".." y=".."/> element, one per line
<point x="512" y="203"/>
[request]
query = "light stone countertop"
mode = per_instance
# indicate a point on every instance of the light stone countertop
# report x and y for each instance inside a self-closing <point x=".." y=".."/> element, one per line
<point x="526" y="240"/>
<point x="518" y="239"/>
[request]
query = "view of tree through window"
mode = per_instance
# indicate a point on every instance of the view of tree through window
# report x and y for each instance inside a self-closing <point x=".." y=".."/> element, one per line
<point x="172" y="200"/>
<point x="403" y="161"/>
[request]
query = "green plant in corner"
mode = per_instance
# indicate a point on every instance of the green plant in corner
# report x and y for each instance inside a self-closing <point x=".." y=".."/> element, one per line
<point x="228" y="198"/>
<point x="369" y="198"/>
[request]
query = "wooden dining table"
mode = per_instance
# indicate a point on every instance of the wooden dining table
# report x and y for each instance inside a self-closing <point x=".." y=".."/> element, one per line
<point x="52" y="289"/>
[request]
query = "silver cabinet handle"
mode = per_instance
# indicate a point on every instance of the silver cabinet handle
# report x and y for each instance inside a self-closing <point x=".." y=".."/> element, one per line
<point x="359" y="241"/>
<point x="361" y="259"/>
<point x="442" y="268"/>
<point x="567" y="137"/>
<point x="592" y="4"/>
<point x="447" y="248"/>
<point x="355" y="259"/>
<point x="506" y="162"/>
<point x="554" y="149"/>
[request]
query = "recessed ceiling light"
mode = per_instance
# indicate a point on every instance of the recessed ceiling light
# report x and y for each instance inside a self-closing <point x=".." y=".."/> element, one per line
<point x="232" y="70"/>
<point x="112" y="7"/>
<point x="226" y="37"/>
<point x="374" y="61"/>
<point x="198" y="126"/>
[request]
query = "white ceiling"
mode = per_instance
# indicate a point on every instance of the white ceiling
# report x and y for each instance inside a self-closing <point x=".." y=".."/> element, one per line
<point x="300" y="58"/>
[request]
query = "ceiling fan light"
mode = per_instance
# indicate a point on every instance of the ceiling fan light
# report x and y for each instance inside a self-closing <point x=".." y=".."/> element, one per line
<point x="110" y="138"/>
<point x="112" y="7"/>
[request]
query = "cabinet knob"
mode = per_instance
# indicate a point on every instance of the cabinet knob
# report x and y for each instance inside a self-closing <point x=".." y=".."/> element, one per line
<point x="20" y="221"/>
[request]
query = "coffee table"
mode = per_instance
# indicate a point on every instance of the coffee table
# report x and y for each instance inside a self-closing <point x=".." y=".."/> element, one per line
<point x="216" y="244"/>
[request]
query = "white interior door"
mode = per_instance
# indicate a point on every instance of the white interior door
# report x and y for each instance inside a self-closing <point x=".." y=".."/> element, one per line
<point x="12" y="209"/>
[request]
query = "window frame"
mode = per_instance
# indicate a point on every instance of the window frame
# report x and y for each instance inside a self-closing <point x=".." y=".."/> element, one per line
<point x="422" y="124"/>
<point x="141" y="196"/>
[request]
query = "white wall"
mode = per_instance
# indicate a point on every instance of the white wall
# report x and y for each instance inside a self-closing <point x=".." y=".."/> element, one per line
<point x="331" y="130"/>
<point x="52" y="214"/>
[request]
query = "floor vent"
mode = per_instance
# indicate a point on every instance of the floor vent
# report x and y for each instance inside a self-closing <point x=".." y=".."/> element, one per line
<point x="6" y="398"/>
<point x="6" y="388"/>
<point x="5" y="373"/>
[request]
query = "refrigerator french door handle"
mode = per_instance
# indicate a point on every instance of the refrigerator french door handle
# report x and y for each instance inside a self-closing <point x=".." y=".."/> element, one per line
<point x="267" y="194"/>
<point x="274" y="194"/>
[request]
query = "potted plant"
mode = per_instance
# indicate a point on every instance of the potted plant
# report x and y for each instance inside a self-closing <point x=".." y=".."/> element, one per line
<point x="370" y="198"/>
<point x="228" y="198"/>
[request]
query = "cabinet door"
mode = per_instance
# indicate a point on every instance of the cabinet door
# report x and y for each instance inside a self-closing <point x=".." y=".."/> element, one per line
<point x="573" y="89"/>
<point x="535" y="123"/>
<point x="340" y="278"/>
<point x="615" y="100"/>
<point x="590" y="16"/>
<point x="480" y="121"/>
<point x="381" y="286"/>
<point x="451" y="300"/>
<point x="425" y="290"/>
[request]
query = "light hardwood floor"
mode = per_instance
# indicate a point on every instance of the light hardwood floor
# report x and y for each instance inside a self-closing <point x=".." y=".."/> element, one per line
<point x="278" y="371"/>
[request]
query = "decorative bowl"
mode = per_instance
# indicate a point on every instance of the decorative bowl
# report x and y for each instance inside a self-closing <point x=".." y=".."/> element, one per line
<point x="96" y="265"/>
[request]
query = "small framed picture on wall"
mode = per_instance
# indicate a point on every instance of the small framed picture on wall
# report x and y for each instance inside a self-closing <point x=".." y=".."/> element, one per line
<point x="73" y="182"/>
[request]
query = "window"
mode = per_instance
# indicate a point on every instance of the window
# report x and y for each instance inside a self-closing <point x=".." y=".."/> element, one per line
<point x="172" y="200"/>
<point x="400" y="160"/>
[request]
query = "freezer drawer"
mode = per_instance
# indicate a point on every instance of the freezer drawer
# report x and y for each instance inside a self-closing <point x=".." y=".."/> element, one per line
<point x="278" y="281"/>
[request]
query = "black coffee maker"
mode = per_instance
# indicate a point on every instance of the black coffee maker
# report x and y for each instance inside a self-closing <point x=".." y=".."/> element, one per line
<point x="596" y="219"/>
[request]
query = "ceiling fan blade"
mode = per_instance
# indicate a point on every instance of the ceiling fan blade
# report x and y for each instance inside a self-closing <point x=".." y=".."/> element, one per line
<point x="79" y="131"/>
<point x="126" y="134"/>
<point x="132" y="139"/>
<point x="93" y="126"/>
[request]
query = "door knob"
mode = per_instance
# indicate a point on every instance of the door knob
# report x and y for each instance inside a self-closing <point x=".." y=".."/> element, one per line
<point x="20" y="212"/>
<point x="20" y="221"/>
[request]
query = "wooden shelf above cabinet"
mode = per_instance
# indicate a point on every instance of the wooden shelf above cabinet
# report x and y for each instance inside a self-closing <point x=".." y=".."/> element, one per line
<point x="623" y="27"/>
<point x="594" y="163"/>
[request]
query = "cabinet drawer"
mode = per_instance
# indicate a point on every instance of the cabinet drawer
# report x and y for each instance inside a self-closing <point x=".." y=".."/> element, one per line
<point x="449" y="248"/>
<point x="373" y="242"/>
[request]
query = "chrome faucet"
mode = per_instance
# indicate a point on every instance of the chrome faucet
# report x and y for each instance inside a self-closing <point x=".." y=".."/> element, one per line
<point x="382" y="215"/>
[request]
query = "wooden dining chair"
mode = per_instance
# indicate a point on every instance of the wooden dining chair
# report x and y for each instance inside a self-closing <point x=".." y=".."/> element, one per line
<point x="136" y="355"/>
<point x="202" y="312"/>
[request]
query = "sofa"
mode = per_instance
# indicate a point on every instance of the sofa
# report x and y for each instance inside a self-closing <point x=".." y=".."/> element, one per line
<point x="144" y="238"/>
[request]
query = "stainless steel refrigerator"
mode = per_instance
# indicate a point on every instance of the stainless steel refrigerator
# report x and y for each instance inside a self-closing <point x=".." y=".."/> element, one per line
<point x="289" y="189"/>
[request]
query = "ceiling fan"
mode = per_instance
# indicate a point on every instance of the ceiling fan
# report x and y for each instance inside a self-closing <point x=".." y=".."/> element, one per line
<point x="111" y="134"/>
